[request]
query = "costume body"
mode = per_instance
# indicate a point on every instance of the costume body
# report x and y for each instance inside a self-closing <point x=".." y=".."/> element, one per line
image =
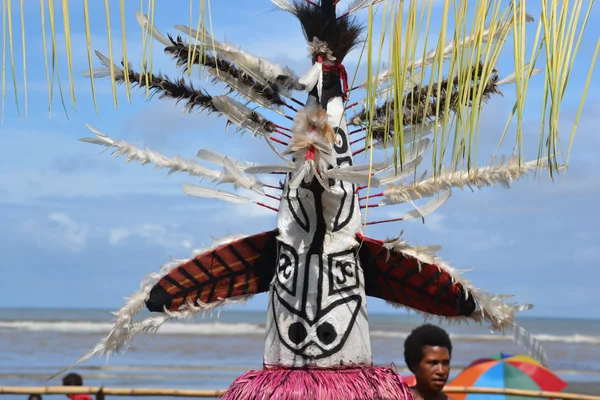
<point x="317" y="303"/>
<point x="317" y="266"/>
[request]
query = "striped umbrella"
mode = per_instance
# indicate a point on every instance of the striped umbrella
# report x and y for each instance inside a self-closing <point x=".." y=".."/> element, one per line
<point x="506" y="371"/>
<point x="410" y="380"/>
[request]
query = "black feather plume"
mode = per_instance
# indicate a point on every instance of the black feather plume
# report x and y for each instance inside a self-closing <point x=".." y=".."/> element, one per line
<point x="181" y="53"/>
<point x="341" y="34"/>
<point x="420" y="108"/>
<point x="178" y="89"/>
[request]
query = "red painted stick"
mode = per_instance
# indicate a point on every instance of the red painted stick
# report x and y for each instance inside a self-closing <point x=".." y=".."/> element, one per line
<point x="278" y="141"/>
<point x="361" y="150"/>
<point x="356" y="131"/>
<point x="283" y="133"/>
<point x="282" y="127"/>
<point x="266" y="206"/>
<point x="358" y="140"/>
<point x="273" y="197"/>
<point x="272" y="186"/>
<point x="369" y="196"/>
<point x="290" y="107"/>
<point x="297" y="102"/>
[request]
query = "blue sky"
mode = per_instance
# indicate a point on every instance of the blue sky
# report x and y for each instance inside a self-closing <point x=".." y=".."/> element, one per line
<point x="80" y="229"/>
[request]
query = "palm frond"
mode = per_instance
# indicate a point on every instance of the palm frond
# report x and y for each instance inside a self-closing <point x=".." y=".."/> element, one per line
<point x="412" y="89"/>
<point x="56" y="19"/>
<point x="468" y="54"/>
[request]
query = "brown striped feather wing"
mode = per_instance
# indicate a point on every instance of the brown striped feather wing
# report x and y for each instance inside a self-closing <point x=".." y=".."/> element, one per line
<point x="240" y="268"/>
<point x="397" y="278"/>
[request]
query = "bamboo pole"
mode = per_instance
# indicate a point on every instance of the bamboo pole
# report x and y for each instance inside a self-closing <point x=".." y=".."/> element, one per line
<point x="110" y="391"/>
<point x="217" y="393"/>
<point x="519" y="392"/>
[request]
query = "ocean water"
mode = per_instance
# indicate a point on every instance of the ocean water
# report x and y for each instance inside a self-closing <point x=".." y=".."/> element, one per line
<point x="210" y="353"/>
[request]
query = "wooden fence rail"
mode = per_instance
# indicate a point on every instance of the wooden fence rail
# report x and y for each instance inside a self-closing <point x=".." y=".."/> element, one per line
<point x="94" y="390"/>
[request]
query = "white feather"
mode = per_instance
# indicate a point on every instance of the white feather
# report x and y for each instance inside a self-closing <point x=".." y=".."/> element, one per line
<point x="217" y="158"/>
<point x="206" y="193"/>
<point x="532" y="345"/>
<point x="195" y="34"/>
<point x="411" y="134"/>
<point x="269" y="169"/>
<point x="132" y="153"/>
<point x="412" y="161"/>
<point x="312" y="77"/>
<point x="429" y="207"/>
<point x="512" y="78"/>
<point x="239" y="178"/>
<point x="97" y="73"/>
<point x="105" y="71"/>
<point x="246" y="91"/>
<point x="480" y="177"/>
<point x="407" y="169"/>
<point x="238" y="114"/>
<point x="359" y="177"/>
<point x="261" y="69"/>
<point x="277" y="152"/>
<point x="299" y="176"/>
<point x="356" y="5"/>
<point x="367" y="167"/>
<point x="412" y="151"/>
<point x="284" y="5"/>
<point x="145" y="23"/>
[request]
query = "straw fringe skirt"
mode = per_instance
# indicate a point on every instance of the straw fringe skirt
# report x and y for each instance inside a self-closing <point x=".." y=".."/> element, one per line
<point x="342" y="383"/>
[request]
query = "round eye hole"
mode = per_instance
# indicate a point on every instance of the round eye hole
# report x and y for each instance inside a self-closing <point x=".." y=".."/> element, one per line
<point x="297" y="333"/>
<point x="326" y="333"/>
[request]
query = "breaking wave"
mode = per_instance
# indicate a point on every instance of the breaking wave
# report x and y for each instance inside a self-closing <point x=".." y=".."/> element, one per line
<point x="246" y="329"/>
<point x="205" y="329"/>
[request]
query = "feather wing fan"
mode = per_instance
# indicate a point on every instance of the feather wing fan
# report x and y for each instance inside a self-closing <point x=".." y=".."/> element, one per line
<point x="242" y="267"/>
<point x="317" y="266"/>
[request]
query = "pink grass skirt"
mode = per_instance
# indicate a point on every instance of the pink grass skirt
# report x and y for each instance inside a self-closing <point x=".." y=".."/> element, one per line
<point x="343" y="383"/>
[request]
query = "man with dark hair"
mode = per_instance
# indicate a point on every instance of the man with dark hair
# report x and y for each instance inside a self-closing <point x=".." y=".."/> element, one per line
<point x="35" y="397"/>
<point x="74" y="379"/>
<point x="427" y="353"/>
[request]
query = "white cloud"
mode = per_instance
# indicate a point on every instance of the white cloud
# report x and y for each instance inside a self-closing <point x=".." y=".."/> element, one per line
<point x="58" y="230"/>
<point x="165" y="236"/>
<point x="587" y="254"/>
<point x="74" y="234"/>
<point x="115" y="236"/>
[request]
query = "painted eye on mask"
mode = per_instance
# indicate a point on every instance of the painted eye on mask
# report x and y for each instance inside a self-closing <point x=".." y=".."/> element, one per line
<point x="287" y="269"/>
<point x="341" y="141"/>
